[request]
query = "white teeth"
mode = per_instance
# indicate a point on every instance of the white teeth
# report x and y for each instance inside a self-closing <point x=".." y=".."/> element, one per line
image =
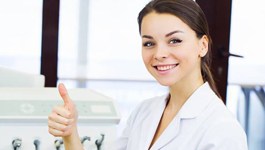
<point x="163" y="68"/>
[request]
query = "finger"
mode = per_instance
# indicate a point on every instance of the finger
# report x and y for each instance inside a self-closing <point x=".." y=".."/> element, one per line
<point x="59" y="119"/>
<point x="64" y="94"/>
<point x="60" y="133"/>
<point x="57" y="126"/>
<point x="55" y="132"/>
<point x="61" y="111"/>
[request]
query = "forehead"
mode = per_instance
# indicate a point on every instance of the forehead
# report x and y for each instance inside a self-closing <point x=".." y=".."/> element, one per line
<point x="162" y="23"/>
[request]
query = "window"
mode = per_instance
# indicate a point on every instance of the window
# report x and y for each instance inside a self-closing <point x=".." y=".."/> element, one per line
<point x="100" y="40"/>
<point x="20" y="28"/>
<point x="100" y="49"/>
<point x="248" y="73"/>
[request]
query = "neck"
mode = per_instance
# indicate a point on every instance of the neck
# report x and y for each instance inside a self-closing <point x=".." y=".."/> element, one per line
<point x="179" y="93"/>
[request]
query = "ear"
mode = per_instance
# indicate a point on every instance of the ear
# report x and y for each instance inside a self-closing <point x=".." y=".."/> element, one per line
<point x="204" y="41"/>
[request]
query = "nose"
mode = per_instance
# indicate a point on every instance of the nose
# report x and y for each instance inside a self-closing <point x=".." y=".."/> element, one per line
<point x="161" y="52"/>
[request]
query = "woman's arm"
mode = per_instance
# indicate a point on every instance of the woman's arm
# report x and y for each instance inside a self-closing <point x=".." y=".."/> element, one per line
<point x="226" y="135"/>
<point x="62" y="122"/>
<point x="72" y="142"/>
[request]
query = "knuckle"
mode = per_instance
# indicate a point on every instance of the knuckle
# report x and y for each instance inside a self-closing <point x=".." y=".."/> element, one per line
<point x="51" y="131"/>
<point x="50" y="117"/>
<point x="63" y="128"/>
<point x="54" y="109"/>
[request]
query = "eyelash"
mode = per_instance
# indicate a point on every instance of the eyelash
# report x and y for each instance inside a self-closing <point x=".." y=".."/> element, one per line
<point x="148" y="44"/>
<point x="172" y="41"/>
<point x="175" y="41"/>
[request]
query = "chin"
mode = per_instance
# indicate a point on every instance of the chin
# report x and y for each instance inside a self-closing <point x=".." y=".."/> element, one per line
<point x="165" y="83"/>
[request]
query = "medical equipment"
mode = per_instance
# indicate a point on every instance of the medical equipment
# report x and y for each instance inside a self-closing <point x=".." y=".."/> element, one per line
<point x="99" y="142"/>
<point x="36" y="143"/>
<point x="58" y="143"/>
<point x="85" y="138"/>
<point x="24" y="112"/>
<point x="16" y="143"/>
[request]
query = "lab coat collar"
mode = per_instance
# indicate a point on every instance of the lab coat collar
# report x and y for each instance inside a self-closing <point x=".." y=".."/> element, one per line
<point x="197" y="102"/>
<point x="154" y="121"/>
<point x="168" y="135"/>
<point x="191" y="109"/>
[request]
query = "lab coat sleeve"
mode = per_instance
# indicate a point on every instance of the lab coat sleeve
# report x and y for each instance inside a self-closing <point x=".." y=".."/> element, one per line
<point x="122" y="141"/>
<point x="226" y="135"/>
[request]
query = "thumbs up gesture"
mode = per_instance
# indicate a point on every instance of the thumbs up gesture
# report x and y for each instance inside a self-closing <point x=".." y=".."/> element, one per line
<point x="62" y="121"/>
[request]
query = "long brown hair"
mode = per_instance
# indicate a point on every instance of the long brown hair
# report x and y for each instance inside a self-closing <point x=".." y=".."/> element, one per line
<point x="191" y="14"/>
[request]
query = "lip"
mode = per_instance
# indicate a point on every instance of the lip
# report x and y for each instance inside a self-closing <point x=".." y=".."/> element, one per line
<point x="165" y="68"/>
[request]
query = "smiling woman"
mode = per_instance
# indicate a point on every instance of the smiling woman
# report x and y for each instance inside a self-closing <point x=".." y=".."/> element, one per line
<point x="176" y="51"/>
<point x="171" y="53"/>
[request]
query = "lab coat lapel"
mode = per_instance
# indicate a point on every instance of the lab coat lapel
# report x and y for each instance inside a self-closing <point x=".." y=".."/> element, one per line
<point x="152" y="124"/>
<point x="191" y="109"/>
<point x="169" y="134"/>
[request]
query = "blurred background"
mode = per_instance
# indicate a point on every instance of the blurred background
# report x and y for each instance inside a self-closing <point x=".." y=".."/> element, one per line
<point x="95" y="44"/>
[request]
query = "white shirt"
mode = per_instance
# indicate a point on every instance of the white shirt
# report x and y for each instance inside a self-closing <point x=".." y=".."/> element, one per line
<point x="203" y="123"/>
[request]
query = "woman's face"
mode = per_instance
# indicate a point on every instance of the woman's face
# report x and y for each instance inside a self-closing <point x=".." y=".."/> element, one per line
<point x="171" y="50"/>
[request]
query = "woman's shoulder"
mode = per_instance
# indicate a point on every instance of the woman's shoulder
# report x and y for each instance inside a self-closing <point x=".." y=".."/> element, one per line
<point x="150" y="103"/>
<point x="222" y="124"/>
<point x="147" y="106"/>
<point x="222" y="130"/>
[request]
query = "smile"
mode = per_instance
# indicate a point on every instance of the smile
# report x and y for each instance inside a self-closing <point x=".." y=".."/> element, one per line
<point x="165" y="67"/>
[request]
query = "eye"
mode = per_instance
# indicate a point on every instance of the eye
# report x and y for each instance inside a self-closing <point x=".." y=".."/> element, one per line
<point x="175" y="41"/>
<point x="148" y="44"/>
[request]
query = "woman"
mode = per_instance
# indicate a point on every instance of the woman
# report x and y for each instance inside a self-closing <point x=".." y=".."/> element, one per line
<point x="176" y="51"/>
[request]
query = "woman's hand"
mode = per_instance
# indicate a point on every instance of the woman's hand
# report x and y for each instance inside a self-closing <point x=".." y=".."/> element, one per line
<point x="62" y="121"/>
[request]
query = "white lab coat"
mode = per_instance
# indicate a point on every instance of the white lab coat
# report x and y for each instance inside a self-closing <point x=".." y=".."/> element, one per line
<point x="203" y="123"/>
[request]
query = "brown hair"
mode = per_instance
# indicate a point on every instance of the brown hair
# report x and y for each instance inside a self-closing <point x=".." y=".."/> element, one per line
<point x="191" y="14"/>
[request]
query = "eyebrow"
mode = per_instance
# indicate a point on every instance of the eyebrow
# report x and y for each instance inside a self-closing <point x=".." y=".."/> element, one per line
<point x="173" y="32"/>
<point x="167" y="35"/>
<point x="147" y="36"/>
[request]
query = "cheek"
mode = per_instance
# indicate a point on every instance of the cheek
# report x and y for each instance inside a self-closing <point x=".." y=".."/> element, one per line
<point x="189" y="55"/>
<point x="181" y="55"/>
<point x="147" y="57"/>
<point x="193" y="60"/>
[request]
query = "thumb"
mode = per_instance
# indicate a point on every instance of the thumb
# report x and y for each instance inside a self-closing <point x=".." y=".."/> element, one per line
<point x="64" y="94"/>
